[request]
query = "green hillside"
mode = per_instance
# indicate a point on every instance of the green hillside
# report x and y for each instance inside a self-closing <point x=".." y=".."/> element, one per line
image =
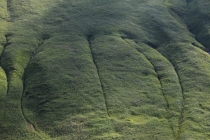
<point x="104" y="70"/>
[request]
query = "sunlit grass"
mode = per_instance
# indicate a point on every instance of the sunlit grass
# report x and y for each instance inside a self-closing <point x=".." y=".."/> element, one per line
<point x="93" y="69"/>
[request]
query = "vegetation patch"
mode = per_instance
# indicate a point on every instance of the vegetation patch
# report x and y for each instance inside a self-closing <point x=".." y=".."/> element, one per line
<point x="93" y="69"/>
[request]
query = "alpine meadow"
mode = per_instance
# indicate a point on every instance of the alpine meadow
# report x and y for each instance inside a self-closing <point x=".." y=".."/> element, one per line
<point x="104" y="70"/>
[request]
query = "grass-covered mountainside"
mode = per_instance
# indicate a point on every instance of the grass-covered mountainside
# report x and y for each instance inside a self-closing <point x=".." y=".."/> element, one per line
<point x="104" y="70"/>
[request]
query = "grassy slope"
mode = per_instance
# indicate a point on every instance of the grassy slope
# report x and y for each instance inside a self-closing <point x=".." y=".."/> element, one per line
<point x="104" y="69"/>
<point x="3" y="78"/>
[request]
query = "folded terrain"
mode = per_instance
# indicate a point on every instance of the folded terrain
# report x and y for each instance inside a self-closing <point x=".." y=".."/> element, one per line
<point x="104" y="69"/>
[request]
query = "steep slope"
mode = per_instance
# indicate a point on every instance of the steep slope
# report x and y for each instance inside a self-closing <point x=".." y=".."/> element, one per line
<point x="93" y="69"/>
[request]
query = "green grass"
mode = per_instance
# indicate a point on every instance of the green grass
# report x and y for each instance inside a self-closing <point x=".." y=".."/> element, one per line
<point x="93" y="69"/>
<point x="195" y="87"/>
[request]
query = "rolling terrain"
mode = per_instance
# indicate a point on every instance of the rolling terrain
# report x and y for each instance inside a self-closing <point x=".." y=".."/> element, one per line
<point x="104" y="69"/>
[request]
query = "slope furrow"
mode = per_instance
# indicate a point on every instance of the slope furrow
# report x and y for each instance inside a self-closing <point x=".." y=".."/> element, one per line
<point x="7" y="79"/>
<point x="5" y="102"/>
<point x="182" y="111"/>
<point x="89" y="39"/>
<point x="158" y="77"/>
<point x="178" y="131"/>
<point x="31" y="126"/>
<point x="181" y="119"/>
<point x="5" y="45"/>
